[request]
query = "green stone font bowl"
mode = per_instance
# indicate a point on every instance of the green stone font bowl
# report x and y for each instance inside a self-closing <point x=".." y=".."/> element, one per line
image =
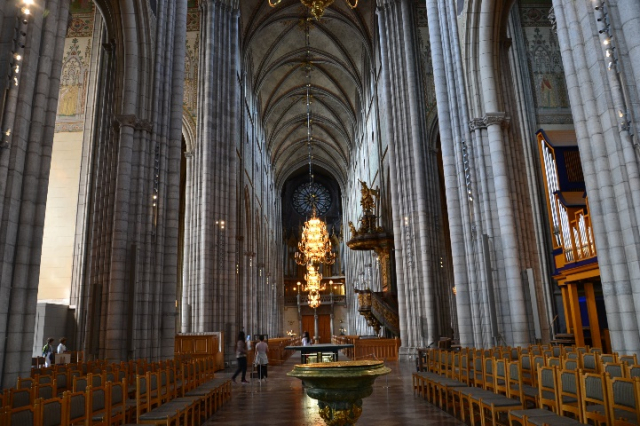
<point x="339" y="387"/>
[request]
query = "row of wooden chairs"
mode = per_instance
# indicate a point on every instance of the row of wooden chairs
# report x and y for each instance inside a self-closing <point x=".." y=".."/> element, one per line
<point x="104" y="405"/>
<point x="89" y="397"/>
<point x="455" y="378"/>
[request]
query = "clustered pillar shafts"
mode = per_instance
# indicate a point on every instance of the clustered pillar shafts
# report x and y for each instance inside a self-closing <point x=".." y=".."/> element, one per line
<point x="417" y="250"/>
<point x="452" y="116"/>
<point x="608" y="150"/>
<point x="127" y="292"/>
<point x="24" y="176"/>
<point x="493" y="238"/>
<point x="211" y="298"/>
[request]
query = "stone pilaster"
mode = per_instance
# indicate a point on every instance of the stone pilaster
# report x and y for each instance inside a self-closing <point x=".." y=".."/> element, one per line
<point x="210" y="296"/>
<point x="411" y="177"/>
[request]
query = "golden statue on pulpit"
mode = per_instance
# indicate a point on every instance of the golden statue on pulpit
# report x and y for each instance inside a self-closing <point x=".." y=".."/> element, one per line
<point x="367" y="202"/>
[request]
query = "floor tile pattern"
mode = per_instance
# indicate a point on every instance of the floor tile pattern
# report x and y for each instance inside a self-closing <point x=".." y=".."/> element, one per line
<point x="281" y="401"/>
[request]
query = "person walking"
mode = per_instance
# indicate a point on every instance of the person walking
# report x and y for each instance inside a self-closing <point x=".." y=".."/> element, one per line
<point x="47" y="352"/>
<point x="62" y="347"/>
<point x="241" y="357"/>
<point x="262" y="359"/>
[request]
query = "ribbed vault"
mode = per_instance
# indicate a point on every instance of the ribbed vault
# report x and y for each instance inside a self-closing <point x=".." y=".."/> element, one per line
<point x="274" y="48"/>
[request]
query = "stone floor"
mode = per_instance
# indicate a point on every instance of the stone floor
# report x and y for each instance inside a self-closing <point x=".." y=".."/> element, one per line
<point x="281" y="401"/>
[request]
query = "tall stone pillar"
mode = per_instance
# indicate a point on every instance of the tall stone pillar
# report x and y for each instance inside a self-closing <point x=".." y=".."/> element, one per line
<point x="600" y="57"/>
<point x="411" y="166"/>
<point x="28" y="104"/>
<point x="127" y="245"/>
<point x="210" y="282"/>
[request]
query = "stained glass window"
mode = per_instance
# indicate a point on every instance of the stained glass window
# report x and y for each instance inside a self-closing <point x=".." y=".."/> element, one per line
<point x="308" y="194"/>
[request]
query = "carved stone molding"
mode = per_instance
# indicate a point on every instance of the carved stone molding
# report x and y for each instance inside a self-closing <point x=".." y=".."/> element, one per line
<point x="477" y="123"/>
<point x="133" y="122"/>
<point x="496" y="118"/>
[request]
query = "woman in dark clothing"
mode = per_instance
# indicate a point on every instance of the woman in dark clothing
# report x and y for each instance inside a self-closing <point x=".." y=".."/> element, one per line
<point x="241" y="356"/>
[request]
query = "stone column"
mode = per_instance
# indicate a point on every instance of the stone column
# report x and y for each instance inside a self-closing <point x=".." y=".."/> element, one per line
<point x="25" y="158"/>
<point x="210" y="282"/>
<point x="608" y="152"/>
<point x="411" y="174"/>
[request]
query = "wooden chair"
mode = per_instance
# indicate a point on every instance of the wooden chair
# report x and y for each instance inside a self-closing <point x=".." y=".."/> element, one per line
<point x="527" y="371"/>
<point x="608" y="358"/>
<point x="628" y="359"/>
<point x="548" y="389"/>
<point x="516" y="387"/>
<point x="16" y="398"/>
<point x="536" y="362"/>
<point x="97" y="405"/>
<point x="570" y="364"/>
<point x="55" y="411"/>
<point x="623" y="401"/>
<point x="614" y="370"/>
<point x="489" y="373"/>
<point x="77" y="408"/>
<point x="19" y="416"/>
<point x="80" y="384"/>
<point x="632" y="371"/>
<point x="594" y="398"/>
<point x="589" y="362"/>
<point x="554" y="362"/>
<point x="569" y="394"/>
<point x="25" y="382"/>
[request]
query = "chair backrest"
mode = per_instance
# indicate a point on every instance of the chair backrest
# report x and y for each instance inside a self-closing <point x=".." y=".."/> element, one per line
<point x="96" y="400"/>
<point x="571" y="356"/>
<point x="464" y="369"/>
<point x="628" y="359"/>
<point x="79" y="384"/>
<point x="547" y="388"/>
<point x="24" y="416"/>
<point x="623" y="400"/>
<point x="596" y="351"/>
<point x="54" y="411"/>
<point x="25" y="383"/>
<point x="45" y="391"/>
<point x="606" y="358"/>
<point x="62" y="381"/>
<point x="500" y="377"/>
<point x="570" y="364"/>
<point x="594" y="398"/>
<point x="116" y="394"/>
<point x="633" y="371"/>
<point x="20" y="397"/>
<point x="569" y="393"/>
<point x="589" y="362"/>
<point x="77" y="406"/>
<point x="554" y="362"/>
<point x="514" y="381"/>
<point x="478" y="375"/>
<point x="557" y="351"/>
<point x="527" y="371"/>
<point x="614" y="370"/>
<point x="488" y="371"/>
<point x="581" y="349"/>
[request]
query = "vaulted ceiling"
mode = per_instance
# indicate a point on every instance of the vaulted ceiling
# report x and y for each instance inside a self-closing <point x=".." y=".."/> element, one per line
<point x="275" y="54"/>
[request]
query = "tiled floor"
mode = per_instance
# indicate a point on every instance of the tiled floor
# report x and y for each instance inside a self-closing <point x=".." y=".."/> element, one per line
<point x="281" y="401"/>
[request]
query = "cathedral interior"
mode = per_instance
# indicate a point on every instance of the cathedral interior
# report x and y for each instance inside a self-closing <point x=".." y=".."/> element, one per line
<point x="422" y="171"/>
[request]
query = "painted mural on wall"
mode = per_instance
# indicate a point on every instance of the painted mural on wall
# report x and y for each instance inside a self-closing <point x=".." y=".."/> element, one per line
<point x="545" y="64"/>
<point x="191" y="65"/>
<point x="73" y="85"/>
<point x="193" y="16"/>
<point x="428" y="83"/>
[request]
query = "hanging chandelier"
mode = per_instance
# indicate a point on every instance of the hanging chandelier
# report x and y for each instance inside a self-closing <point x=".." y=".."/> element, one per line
<point x="314" y="246"/>
<point x="313" y="285"/>
<point x="317" y="7"/>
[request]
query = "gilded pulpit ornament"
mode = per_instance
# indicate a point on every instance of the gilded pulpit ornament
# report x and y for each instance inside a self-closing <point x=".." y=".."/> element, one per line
<point x="378" y="308"/>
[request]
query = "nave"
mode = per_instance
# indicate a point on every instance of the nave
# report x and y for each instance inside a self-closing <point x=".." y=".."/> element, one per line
<point x="281" y="401"/>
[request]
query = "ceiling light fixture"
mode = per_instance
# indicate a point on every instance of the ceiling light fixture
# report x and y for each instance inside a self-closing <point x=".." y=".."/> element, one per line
<point x="317" y="7"/>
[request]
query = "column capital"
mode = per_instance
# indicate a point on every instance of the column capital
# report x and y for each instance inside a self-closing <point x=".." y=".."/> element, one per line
<point x="496" y="118"/>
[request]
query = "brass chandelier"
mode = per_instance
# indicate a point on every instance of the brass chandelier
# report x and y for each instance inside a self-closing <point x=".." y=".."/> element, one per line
<point x="314" y="246"/>
<point x="317" y="7"/>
